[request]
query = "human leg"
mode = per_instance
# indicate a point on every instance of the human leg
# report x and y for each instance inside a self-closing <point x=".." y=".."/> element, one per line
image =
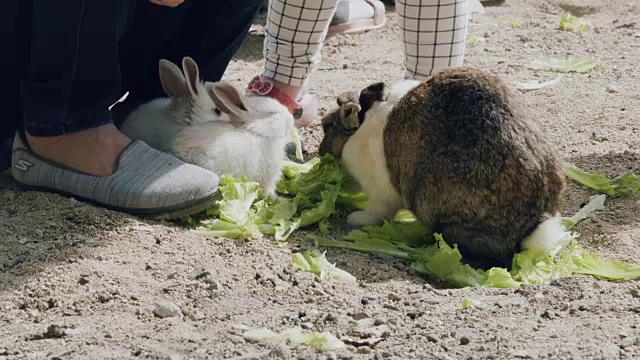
<point x="71" y="78"/>
<point x="69" y="144"/>
<point x="434" y="34"/>
<point x="210" y="32"/>
<point x="294" y="33"/>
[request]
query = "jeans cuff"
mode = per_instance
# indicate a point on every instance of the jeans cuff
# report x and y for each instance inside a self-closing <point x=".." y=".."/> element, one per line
<point x="100" y="119"/>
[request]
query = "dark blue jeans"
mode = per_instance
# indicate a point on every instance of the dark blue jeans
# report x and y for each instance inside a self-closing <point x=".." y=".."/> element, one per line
<point x="65" y="62"/>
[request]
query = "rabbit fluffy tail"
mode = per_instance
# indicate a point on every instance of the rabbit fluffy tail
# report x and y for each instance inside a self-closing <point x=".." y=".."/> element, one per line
<point x="547" y="236"/>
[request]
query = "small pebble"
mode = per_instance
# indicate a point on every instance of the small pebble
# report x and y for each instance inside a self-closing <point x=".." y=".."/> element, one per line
<point x="330" y="317"/>
<point x="612" y="89"/>
<point x="432" y="338"/>
<point x="464" y="340"/>
<point x="359" y="316"/>
<point x="166" y="310"/>
<point x="393" y="297"/>
<point x="379" y="322"/>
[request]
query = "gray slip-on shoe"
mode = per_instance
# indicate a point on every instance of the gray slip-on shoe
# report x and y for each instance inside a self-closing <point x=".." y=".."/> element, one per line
<point x="146" y="183"/>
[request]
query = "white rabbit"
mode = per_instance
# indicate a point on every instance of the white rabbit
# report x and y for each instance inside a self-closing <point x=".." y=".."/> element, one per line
<point x="159" y="121"/>
<point x="252" y="143"/>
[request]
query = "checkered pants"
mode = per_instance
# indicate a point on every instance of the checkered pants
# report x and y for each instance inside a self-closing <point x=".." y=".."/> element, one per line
<point x="434" y="34"/>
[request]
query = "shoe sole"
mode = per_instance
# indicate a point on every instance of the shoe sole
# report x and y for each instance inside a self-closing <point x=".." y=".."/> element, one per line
<point x="168" y="213"/>
<point x="355" y="27"/>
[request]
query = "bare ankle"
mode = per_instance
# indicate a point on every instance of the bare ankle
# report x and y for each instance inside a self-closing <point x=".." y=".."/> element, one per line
<point x="94" y="151"/>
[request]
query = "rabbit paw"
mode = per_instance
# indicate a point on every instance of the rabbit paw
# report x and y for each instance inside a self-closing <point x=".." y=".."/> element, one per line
<point x="364" y="218"/>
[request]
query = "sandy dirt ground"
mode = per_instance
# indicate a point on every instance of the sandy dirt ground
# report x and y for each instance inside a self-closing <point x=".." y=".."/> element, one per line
<point x="77" y="282"/>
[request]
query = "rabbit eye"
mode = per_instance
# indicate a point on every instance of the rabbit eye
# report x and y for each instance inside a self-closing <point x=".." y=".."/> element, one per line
<point x="217" y="111"/>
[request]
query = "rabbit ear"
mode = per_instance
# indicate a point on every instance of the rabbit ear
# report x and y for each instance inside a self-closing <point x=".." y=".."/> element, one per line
<point x="172" y="80"/>
<point x="191" y="72"/>
<point x="372" y="94"/>
<point x="347" y="97"/>
<point x="349" y="119"/>
<point x="227" y="99"/>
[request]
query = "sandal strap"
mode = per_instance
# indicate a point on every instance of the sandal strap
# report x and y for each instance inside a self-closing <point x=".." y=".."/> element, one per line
<point x="266" y="88"/>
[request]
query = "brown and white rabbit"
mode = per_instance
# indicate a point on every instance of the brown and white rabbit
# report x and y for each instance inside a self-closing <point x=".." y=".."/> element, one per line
<point x="214" y="126"/>
<point x="459" y="151"/>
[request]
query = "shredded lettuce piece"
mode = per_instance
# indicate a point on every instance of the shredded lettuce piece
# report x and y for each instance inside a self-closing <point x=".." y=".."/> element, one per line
<point x="623" y="185"/>
<point x="565" y="65"/>
<point x="571" y="23"/>
<point x="323" y="341"/>
<point x="233" y="216"/>
<point x="536" y="267"/>
<point x="589" y="263"/>
<point x="512" y="24"/>
<point x="405" y="216"/>
<point x="529" y="86"/>
<point x="295" y="136"/>
<point x="472" y="40"/>
<point x="315" y="262"/>
<point x="468" y="303"/>
<point x="357" y="200"/>
<point x="445" y="262"/>
<point x="596" y="202"/>
<point x="292" y="170"/>
<point x="365" y="244"/>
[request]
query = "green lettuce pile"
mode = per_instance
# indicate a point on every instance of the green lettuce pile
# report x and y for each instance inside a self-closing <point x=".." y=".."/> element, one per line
<point x="431" y="255"/>
<point x="310" y="193"/>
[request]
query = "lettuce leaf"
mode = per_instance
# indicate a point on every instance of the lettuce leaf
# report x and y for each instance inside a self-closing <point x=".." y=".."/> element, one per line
<point x="315" y="262"/>
<point x="292" y="170"/>
<point x="472" y="40"/>
<point x="596" y="202"/>
<point x="323" y="341"/>
<point x="571" y="23"/>
<point x="512" y="24"/>
<point x="623" y="185"/>
<point x="446" y="263"/>
<point x="589" y="263"/>
<point x="470" y="303"/>
<point x="565" y="65"/>
<point x="233" y="216"/>
<point x="295" y="136"/>
<point x="529" y="86"/>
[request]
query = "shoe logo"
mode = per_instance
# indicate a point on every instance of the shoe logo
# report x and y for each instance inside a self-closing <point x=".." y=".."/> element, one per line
<point x="23" y="165"/>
